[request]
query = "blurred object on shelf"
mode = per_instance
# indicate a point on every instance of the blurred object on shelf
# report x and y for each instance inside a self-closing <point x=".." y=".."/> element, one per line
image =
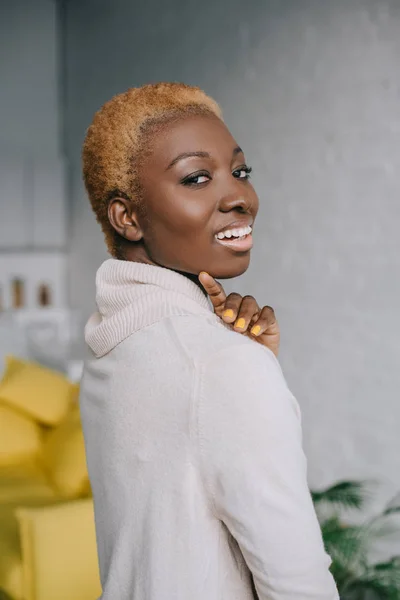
<point x="31" y="280"/>
<point x="44" y="295"/>
<point x="35" y="311"/>
<point x="18" y="292"/>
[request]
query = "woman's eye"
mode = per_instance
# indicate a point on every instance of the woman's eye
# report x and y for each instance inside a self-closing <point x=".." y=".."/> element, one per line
<point x="242" y="173"/>
<point x="200" y="179"/>
<point x="196" y="179"/>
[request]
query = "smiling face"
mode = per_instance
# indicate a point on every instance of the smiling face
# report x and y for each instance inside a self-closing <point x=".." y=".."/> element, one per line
<point x="195" y="184"/>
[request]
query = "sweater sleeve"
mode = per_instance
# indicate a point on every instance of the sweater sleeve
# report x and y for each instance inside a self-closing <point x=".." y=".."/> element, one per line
<point x="254" y="468"/>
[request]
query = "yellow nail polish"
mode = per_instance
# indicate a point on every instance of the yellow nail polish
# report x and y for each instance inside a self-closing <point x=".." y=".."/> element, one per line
<point x="240" y="323"/>
<point x="255" y="330"/>
<point x="228" y="313"/>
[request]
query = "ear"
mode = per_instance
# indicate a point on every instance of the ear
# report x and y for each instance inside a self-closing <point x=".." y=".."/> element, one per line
<point x="123" y="218"/>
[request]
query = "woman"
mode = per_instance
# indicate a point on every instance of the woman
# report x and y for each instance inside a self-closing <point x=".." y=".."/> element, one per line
<point x="193" y="439"/>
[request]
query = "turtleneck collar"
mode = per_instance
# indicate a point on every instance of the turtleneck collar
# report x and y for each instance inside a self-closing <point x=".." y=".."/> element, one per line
<point x="132" y="295"/>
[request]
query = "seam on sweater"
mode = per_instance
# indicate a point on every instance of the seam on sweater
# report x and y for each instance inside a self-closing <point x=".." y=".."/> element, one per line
<point x="193" y="435"/>
<point x="178" y="338"/>
<point x="197" y="400"/>
<point x="197" y="404"/>
<point x="198" y="447"/>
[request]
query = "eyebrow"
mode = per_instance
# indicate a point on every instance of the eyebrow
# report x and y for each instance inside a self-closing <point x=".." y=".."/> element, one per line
<point x="198" y="154"/>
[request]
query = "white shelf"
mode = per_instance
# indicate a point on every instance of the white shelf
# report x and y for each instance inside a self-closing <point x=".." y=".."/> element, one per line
<point x="34" y="269"/>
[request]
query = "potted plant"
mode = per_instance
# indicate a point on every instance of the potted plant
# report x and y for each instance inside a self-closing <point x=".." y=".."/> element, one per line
<point x="349" y="545"/>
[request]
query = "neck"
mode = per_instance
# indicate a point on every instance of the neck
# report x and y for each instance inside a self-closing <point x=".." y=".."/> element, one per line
<point x="137" y="253"/>
<point x="193" y="278"/>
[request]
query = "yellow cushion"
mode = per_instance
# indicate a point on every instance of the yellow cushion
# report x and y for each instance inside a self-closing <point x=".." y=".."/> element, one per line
<point x="64" y="457"/>
<point x="24" y="483"/>
<point x="10" y="544"/>
<point x="41" y="393"/>
<point x="59" y="552"/>
<point x="74" y="394"/>
<point x="10" y="555"/>
<point x="20" y="436"/>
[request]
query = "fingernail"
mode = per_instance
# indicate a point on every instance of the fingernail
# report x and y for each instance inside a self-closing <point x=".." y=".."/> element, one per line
<point x="240" y="323"/>
<point x="255" y="330"/>
<point x="228" y="313"/>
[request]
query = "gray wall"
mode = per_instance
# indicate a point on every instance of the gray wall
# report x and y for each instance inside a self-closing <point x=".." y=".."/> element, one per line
<point x="29" y="77"/>
<point x="311" y="91"/>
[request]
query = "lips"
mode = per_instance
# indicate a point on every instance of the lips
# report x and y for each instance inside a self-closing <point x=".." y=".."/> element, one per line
<point x="239" y="224"/>
<point x="237" y="236"/>
<point x="243" y="244"/>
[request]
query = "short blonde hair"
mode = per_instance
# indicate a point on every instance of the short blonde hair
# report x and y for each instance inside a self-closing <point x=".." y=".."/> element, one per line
<point x="113" y="142"/>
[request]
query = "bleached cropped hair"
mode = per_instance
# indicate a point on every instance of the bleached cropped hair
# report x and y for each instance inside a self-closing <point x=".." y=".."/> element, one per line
<point x="115" y="141"/>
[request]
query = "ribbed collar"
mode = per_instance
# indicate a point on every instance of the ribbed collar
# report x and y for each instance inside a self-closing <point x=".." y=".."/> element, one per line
<point x="132" y="295"/>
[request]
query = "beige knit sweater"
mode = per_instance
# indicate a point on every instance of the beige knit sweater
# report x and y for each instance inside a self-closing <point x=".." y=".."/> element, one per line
<point x="194" y="452"/>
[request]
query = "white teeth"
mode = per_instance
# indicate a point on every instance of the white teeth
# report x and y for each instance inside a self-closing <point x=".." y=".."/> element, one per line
<point x="237" y="233"/>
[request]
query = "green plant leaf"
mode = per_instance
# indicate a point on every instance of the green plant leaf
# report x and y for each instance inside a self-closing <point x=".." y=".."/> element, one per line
<point x="390" y="510"/>
<point x="331" y="525"/>
<point x="381" y="527"/>
<point x="346" y="494"/>
<point x="393" y="506"/>
<point x="382" y="578"/>
<point x="347" y="547"/>
<point x="371" y="590"/>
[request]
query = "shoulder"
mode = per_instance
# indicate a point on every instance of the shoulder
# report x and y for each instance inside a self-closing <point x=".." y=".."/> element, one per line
<point x="244" y="377"/>
<point x="245" y="363"/>
<point x="207" y="338"/>
<point x="217" y="351"/>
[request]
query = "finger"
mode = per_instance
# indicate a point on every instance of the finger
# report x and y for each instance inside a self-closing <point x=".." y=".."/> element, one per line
<point x="232" y="307"/>
<point x="214" y="290"/>
<point x="248" y="308"/>
<point x="265" y="321"/>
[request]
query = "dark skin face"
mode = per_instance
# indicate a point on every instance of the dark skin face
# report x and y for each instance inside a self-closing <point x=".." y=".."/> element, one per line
<point x="188" y="199"/>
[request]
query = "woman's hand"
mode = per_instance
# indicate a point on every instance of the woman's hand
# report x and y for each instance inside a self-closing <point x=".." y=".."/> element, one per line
<point x="243" y="314"/>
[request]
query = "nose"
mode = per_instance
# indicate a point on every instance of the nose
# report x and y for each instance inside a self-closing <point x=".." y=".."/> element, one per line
<point x="235" y="202"/>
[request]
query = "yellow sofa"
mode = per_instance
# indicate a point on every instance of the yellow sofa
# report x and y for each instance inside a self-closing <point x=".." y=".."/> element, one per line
<point x="47" y="536"/>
